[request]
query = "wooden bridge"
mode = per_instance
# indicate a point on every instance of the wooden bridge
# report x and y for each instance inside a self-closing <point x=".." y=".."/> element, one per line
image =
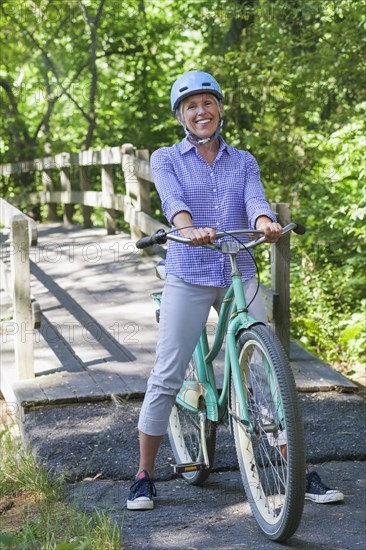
<point x="77" y="320"/>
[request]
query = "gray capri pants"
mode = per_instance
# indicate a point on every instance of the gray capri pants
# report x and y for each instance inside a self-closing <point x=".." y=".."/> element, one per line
<point x="183" y="314"/>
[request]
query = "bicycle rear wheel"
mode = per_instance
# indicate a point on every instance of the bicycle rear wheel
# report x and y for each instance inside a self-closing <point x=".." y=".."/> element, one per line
<point x="271" y="456"/>
<point x="185" y="435"/>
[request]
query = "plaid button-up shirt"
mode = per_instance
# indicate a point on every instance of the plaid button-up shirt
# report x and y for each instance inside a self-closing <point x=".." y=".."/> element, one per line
<point x="227" y="195"/>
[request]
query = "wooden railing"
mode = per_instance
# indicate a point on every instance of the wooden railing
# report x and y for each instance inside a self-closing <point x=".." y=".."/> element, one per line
<point x="66" y="180"/>
<point x="69" y="189"/>
<point x="15" y="280"/>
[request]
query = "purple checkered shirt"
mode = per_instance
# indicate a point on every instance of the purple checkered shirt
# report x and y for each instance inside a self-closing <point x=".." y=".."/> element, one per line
<point x="229" y="195"/>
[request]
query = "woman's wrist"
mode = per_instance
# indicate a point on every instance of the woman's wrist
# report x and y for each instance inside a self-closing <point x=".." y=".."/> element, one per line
<point x="183" y="222"/>
<point x="262" y="220"/>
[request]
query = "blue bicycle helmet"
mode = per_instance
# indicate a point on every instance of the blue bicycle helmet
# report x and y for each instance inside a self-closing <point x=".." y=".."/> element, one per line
<point x="193" y="82"/>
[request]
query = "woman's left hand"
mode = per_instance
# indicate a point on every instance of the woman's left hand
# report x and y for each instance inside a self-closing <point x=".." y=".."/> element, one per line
<point x="272" y="230"/>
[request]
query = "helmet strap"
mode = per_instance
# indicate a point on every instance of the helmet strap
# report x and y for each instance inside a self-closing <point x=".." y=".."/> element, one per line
<point x="200" y="141"/>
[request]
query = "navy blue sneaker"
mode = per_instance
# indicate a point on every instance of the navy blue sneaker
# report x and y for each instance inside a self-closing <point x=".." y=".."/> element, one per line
<point x="142" y="493"/>
<point x="318" y="492"/>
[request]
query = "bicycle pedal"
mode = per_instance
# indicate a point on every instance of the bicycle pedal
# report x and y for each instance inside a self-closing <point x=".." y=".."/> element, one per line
<point x="188" y="467"/>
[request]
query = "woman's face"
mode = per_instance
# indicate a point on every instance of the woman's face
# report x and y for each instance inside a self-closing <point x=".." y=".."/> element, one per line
<point x="201" y="114"/>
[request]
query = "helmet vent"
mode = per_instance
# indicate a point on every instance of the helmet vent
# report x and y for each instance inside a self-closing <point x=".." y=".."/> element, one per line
<point x="206" y="83"/>
<point x="184" y="88"/>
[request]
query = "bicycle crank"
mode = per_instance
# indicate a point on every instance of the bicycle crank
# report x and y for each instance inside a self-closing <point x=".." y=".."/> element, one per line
<point x="196" y="466"/>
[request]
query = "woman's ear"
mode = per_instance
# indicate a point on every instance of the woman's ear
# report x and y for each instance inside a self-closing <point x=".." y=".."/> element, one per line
<point x="179" y="118"/>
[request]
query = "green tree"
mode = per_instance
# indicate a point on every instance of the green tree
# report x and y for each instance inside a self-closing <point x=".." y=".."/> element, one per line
<point x="77" y="74"/>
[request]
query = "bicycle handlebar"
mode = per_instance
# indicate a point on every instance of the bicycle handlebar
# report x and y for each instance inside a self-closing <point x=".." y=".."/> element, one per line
<point x="299" y="229"/>
<point x="161" y="236"/>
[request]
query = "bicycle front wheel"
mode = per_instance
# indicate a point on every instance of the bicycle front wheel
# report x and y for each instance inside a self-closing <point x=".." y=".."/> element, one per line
<point x="270" y="451"/>
<point x="185" y="435"/>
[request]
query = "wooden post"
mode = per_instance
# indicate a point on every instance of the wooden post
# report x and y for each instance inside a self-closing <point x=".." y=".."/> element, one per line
<point x="144" y="185"/>
<point x="66" y="186"/>
<point x="49" y="186"/>
<point x="23" y="316"/>
<point x="84" y="186"/>
<point x="108" y="190"/>
<point x="280" y="277"/>
<point x="137" y="189"/>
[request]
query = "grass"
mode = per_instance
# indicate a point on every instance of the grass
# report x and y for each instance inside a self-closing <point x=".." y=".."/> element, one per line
<point x="33" y="514"/>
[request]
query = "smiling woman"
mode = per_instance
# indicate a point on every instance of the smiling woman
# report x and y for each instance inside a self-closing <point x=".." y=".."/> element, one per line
<point x="193" y="99"/>
<point x="205" y="186"/>
<point x="201" y="116"/>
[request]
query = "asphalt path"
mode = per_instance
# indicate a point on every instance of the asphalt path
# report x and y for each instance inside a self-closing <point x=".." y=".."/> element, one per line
<point x="217" y="515"/>
<point x="95" y="448"/>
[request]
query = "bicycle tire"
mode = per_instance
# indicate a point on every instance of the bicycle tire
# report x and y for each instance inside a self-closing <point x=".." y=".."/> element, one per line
<point x="184" y="435"/>
<point x="274" y="483"/>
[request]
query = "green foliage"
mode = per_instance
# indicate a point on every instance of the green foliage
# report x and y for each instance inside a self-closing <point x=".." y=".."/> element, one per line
<point x="294" y="84"/>
<point x="51" y="95"/>
<point x="18" y="471"/>
<point x="47" y="523"/>
<point x="333" y="267"/>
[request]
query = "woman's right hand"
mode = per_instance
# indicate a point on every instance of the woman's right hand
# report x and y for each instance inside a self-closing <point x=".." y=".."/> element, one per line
<point x="199" y="235"/>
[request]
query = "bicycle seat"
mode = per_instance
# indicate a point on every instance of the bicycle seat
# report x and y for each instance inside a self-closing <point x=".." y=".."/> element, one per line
<point x="160" y="270"/>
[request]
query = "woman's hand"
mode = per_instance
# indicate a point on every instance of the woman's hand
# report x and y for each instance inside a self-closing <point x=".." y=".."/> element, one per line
<point x="199" y="235"/>
<point x="272" y="230"/>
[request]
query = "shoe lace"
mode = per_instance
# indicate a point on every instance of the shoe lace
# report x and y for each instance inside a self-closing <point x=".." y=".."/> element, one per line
<point x="314" y="479"/>
<point x="145" y="486"/>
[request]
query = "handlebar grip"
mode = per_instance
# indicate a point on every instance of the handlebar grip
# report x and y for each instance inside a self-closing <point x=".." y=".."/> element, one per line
<point x="145" y="242"/>
<point x="299" y="229"/>
<point x="158" y="237"/>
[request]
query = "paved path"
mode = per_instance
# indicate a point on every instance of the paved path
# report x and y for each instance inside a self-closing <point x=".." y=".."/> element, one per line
<point x="218" y="517"/>
<point x="95" y="446"/>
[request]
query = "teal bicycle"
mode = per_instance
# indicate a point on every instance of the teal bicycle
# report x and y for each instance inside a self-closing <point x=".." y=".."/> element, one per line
<point x="258" y="400"/>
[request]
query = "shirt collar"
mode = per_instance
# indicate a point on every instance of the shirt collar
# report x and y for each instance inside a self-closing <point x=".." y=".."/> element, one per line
<point x="186" y="145"/>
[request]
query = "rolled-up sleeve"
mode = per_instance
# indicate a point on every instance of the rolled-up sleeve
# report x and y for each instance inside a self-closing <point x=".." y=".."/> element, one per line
<point x="255" y="200"/>
<point x="167" y="185"/>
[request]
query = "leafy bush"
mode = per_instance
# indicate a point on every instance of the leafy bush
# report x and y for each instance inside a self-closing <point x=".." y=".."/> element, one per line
<point x="328" y="288"/>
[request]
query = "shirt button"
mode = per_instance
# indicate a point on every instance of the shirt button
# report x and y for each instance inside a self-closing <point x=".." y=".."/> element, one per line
<point x="214" y="190"/>
<point x="211" y="174"/>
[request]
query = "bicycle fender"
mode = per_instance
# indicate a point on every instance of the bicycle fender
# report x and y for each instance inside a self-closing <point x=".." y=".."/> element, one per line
<point x="190" y="394"/>
<point x="240" y="322"/>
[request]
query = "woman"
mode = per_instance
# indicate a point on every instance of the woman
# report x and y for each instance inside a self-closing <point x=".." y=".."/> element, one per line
<point x="205" y="186"/>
